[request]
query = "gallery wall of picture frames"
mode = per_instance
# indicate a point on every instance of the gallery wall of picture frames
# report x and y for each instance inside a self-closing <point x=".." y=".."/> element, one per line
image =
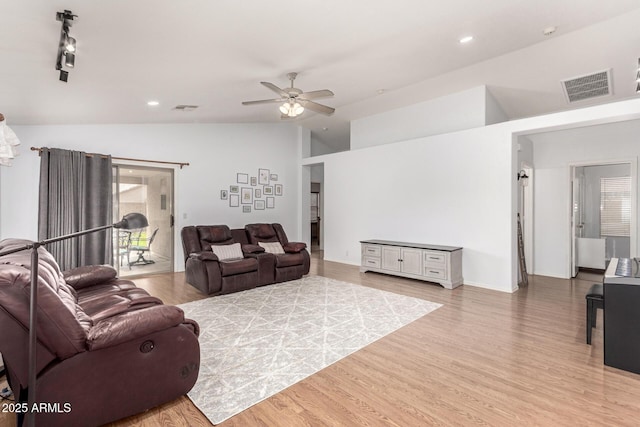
<point x="256" y="193"/>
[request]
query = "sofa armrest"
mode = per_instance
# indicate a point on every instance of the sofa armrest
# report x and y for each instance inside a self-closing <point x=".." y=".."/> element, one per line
<point x="252" y="249"/>
<point x="89" y="275"/>
<point x="294" y="247"/>
<point x="134" y="324"/>
<point x="204" y="256"/>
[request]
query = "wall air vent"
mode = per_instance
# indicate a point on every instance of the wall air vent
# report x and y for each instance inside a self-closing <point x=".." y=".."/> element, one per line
<point x="587" y="87"/>
<point x="185" y="107"/>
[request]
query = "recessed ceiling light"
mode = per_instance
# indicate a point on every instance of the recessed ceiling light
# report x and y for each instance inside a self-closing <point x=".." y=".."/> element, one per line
<point x="153" y="103"/>
<point x="466" y="39"/>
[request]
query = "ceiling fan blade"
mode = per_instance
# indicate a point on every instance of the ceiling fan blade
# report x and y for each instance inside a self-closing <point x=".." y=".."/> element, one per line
<point x="318" y="108"/>
<point x="315" y="94"/>
<point x="263" y="101"/>
<point x="275" y="88"/>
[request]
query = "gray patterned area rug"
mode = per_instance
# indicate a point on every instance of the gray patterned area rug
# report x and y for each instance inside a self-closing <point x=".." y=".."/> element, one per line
<point x="256" y="343"/>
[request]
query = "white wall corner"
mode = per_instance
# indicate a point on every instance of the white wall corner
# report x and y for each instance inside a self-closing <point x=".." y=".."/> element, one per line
<point x="304" y="141"/>
<point x="493" y="111"/>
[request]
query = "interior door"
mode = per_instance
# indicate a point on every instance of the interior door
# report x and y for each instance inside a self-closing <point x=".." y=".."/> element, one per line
<point x="148" y="191"/>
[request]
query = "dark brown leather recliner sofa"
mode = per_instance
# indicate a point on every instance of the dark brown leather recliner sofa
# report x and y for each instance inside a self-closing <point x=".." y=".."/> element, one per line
<point x="213" y="276"/>
<point x="106" y="349"/>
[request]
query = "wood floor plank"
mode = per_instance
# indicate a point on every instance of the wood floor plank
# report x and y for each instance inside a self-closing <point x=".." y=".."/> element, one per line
<point x="485" y="358"/>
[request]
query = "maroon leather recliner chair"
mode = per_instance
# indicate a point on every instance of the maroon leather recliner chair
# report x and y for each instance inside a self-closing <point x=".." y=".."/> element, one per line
<point x="106" y="349"/>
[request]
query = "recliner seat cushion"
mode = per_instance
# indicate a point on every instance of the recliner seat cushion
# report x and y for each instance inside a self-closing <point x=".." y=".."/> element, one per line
<point x="244" y="265"/>
<point x="289" y="260"/>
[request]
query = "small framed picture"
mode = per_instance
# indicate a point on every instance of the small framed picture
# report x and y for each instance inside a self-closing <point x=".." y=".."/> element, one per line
<point x="273" y="177"/>
<point x="224" y="194"/>
<point x="258" y="205"/>
<point x="246" y="195"/>
<point x="242" y="178"/>
<point x="268" y="190"/>
<point x="271" y="202"/>
<point x="257" y="193"/>
<point x="263" y="176"/>
<point x="278" y="188"/>
<point x="234" y="200"/>
<point x="254" y="181"/>
<point x="234" y="189"/>
<point x="246" y="209"/>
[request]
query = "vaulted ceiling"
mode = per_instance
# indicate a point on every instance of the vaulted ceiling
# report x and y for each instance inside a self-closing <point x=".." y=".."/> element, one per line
<point x="374" y="55"/>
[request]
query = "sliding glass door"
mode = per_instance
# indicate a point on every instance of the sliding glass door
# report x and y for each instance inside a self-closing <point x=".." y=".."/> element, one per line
<point x="148" y="191"/>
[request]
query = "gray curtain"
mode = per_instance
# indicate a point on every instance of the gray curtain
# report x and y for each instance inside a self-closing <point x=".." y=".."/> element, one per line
<point x="76" y="195"/>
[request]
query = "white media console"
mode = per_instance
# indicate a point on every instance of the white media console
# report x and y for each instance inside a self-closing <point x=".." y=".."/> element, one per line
<point x="432" y="263"/>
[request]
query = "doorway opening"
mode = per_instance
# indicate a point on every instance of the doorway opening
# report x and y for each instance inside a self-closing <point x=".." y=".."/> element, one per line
<point x="315" y="216"/>
<point x="316" y="209"/>
<point x="602" y="212"/>
<point x="149" y="191"/>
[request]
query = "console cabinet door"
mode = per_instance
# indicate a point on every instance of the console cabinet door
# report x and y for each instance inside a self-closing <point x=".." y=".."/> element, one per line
<point x="391" y="258"/>
<point x="412" y="261"/>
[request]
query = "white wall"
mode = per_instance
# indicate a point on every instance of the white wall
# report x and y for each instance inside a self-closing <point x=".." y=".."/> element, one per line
<point x="553" y="154"/>
<point x="444" y="189"/>
<point x="216" y="152"/>
<point x="452" y="189"/>
<point x="319" y="148"/>
<point x="463" y="110"/>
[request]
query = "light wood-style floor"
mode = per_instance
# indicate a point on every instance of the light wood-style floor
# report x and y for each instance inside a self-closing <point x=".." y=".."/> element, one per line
<point x="484" y="358"/>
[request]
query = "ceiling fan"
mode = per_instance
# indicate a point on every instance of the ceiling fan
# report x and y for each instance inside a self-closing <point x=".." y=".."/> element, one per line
<point x="294" y="101"/>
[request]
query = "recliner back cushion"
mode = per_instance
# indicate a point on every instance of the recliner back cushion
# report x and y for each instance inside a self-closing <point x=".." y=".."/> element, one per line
<point x="62" y="324"/>
<point x="261" y="233"/>
<point x="214" y="235"/>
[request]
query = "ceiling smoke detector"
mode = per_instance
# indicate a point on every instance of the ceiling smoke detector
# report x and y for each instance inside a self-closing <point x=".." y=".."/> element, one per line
<point x="185" y="107"/>
<point x="586" y="87"/>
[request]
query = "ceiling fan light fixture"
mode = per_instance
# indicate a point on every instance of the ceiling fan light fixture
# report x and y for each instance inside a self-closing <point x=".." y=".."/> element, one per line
<point x="284" y="108"/>
<point x="297" y="109"/>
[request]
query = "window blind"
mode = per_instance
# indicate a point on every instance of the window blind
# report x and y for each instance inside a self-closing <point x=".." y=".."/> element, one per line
<point x="615" y="206"/>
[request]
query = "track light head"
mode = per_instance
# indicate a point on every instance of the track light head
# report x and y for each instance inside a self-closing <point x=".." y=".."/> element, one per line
<point x="70" y="44"/>
<point x="69" y="59"/>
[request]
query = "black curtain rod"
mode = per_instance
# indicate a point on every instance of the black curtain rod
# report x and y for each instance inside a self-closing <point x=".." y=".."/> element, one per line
<point x="181" y="164"/>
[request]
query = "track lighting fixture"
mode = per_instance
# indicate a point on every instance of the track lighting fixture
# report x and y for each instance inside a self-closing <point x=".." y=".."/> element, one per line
<point x="66" y="45"/>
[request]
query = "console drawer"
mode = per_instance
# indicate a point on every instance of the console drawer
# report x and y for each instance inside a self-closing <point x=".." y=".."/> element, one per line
<point x="434" y="258"/>
<point x="371" y="251"/>
<point x="371" y="262"/>
<point x="436" y="273"/>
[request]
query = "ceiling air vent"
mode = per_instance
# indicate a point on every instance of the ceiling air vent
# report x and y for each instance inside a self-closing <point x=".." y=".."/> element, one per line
<point x="586" y="87"/>
<point x="185" y="107"/>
